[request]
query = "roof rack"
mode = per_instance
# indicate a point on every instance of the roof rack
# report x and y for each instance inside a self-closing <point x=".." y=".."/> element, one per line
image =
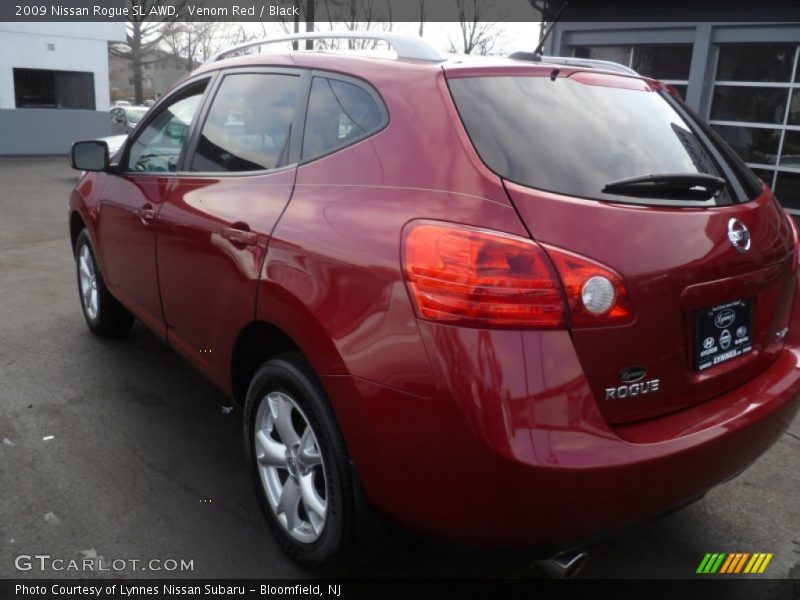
<point x="591" y="63"/>
<point x="406" y="46"/>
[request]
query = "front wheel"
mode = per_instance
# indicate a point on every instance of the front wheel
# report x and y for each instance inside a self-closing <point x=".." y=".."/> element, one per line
<point x="104" y="315"/>
<point x="300" y="465"/>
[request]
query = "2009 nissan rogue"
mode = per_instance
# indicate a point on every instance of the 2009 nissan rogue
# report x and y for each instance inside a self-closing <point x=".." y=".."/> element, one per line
<point x="510" y="302"/>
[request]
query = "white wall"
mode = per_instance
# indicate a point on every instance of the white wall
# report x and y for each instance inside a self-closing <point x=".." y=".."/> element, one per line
<point x="78" y="47"/>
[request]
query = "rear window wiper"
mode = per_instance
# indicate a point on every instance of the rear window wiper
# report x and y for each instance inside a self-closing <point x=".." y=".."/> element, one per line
<point x="668" y="186"/>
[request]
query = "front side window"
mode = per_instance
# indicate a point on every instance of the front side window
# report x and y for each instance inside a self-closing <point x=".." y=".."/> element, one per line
<point x="573" y="137"/>
<point x="339" y="113"/>
<point x="249" y="124"/>
<point x="158" y="147"/>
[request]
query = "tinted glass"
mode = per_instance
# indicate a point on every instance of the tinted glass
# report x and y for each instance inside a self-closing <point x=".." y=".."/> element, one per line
<point x="158" y="147"/>
<point x="249" y="123"/>
<point x="787" y="189"/>
<point x="790" y="157"/>
<point x="794" y="108"/>
<point x="681" y="90"/>
<point x="39" y="88"/>
<point x="339" y="113"/>
<point x="764" y="175"/>
<point x="752" y="144"/>
<point x="753" y="104"/>
<point x="755" y="62"/>
<point x="617" y="54"/>
<point x="663" y="62"/>
<point x="658" y="61"/>
<point x="573" y="138"/>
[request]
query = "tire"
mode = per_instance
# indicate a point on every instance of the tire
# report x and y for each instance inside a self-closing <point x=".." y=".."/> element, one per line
<point x="285" y="394"/>
<point x="104" y="315"/>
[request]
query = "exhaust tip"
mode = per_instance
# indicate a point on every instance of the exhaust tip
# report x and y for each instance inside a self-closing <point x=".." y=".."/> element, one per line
<point x="564" y="565"/>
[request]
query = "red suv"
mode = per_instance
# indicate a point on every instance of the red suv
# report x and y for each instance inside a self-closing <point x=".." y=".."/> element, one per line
<point x="511" y="302"/>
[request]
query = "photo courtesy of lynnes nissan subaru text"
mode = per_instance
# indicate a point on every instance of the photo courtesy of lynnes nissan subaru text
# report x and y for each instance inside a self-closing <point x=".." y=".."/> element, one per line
<point x="511" y="302"/>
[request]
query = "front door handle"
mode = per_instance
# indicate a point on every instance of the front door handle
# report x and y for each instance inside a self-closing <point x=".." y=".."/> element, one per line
<point x="240" y="234"/>
<point x="147" y="213"/>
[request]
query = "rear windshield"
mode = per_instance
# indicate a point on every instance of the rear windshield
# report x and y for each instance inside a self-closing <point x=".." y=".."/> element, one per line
<point x="574" y="138"/>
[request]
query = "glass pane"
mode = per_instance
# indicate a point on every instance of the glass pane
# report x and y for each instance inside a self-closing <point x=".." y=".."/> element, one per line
<point x="764" y="175"/>
<point x="790" y="155"/>
<point x="663" y="62"/>
<point x="787" y="189"/>
<point x="754" y="104"/>
<point x="617" y="54"/>
<point x="249" y="124"/>
<point x="681" y="89"/>
<point x="339" y="113"/>
<point x="752" y="144"/>
<point x="158" y="147"/>
<point x="588" y="136"/>
<point x="40" y="88"/>
<point x="794" y="107"/>
<point x="755" y="62"/>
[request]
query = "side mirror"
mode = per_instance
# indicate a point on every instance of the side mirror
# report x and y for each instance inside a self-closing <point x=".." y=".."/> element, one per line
<point x="91" y="155"/>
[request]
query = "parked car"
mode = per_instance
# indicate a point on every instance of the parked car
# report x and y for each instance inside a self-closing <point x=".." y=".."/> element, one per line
<point x="125" y="118"/>
<point x="518" y="303"/>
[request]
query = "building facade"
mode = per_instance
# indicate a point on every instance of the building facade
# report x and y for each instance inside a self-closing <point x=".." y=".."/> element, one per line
<point x="159" y="72"/>
<point x="743" y="78"/>
<point x="54" y="84"/>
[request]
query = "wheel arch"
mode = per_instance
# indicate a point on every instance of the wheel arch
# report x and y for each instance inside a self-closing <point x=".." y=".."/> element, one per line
<point x="76" y="225"/>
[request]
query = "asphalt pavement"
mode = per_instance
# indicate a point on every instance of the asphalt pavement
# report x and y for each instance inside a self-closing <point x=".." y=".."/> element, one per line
<point x="118" y="449"/>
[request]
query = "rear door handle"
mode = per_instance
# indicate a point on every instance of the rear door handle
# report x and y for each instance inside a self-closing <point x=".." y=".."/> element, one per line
<point x="240" y="235"/>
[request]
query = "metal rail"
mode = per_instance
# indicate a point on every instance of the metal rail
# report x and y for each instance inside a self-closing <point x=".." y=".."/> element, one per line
<point x="406" y="46"/>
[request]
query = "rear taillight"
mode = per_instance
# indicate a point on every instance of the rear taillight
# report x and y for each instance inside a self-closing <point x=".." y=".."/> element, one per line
<point x="795" y="239"/>
<point x="469" y="276"/>
<point x="476" y="277"/>
<point x="596" y="294"/>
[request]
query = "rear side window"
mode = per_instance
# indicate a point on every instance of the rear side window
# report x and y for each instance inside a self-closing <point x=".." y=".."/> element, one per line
<point x="339" y="114"/>
<point x="573" y="138"/>
<point x="248" y="125"/>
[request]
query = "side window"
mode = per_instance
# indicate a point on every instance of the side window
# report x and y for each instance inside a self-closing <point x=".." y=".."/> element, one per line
<point x="159" y="146"/>
<point x="249" y="123"/>
<point x="339" y="113"/>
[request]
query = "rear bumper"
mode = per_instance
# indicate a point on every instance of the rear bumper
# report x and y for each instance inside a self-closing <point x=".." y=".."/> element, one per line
<point x="513" y="451"/>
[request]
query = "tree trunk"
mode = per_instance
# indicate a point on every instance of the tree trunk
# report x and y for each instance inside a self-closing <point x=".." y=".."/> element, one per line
<point x="136" y="63"/>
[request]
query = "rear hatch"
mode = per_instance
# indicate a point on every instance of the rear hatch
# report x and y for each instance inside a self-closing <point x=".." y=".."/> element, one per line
<point x="710" y="307"/>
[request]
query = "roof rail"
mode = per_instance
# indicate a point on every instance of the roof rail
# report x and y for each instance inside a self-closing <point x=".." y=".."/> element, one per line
<point x="406" y="46"/>
<point x="591" y="63"/>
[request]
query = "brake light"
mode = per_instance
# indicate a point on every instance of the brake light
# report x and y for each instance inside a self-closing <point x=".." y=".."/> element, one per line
<point x="459" y="274"/>
<point x="596" y="295"/>
<point x="795" y="238"/>
<point x="470" y="276"/>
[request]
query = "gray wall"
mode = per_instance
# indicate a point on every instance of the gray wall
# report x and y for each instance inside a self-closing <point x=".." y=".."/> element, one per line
<point x="49" y="131"/>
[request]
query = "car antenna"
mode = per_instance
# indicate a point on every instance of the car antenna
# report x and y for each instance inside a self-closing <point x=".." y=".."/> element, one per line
<point x="537" y="53"/>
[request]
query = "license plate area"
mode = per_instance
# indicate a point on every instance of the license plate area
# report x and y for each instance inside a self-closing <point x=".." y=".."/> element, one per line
<point x="722" y="333"/>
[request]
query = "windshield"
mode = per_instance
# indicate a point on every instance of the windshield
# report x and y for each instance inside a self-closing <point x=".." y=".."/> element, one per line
<point x="573" y="137"/>
<point x="135" y="114"/>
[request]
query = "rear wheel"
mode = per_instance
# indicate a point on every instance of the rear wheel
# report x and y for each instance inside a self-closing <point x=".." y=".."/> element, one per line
<point x="299" y="463"/>
<point x="104" y="315"/>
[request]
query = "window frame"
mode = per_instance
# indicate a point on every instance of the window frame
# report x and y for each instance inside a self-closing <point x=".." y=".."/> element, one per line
<point x="632" y="53"/>
<point x="792" y="88"/>
<point x="92" y="93"/>
<point x="360" y="83"/>
<point x="154" y="112"/>
<point x="298" y="121"/>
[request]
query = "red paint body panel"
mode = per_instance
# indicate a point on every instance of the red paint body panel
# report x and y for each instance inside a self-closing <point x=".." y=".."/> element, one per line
<point x="440" y="420"/>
